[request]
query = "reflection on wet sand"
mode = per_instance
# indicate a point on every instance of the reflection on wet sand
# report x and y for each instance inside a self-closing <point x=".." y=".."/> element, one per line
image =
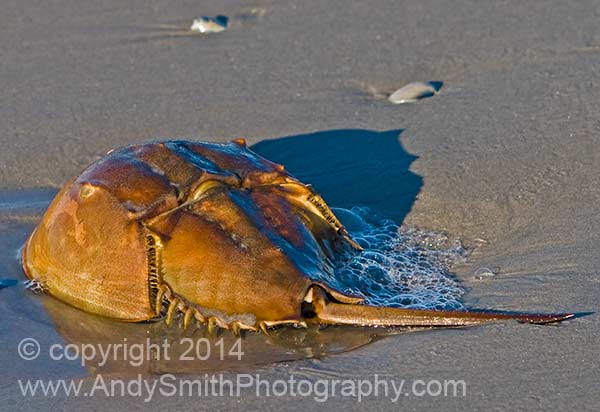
<point x="154" y="348"/>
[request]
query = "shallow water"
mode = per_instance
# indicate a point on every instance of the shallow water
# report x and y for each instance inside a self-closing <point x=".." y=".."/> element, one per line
<point x="399" y="267"/>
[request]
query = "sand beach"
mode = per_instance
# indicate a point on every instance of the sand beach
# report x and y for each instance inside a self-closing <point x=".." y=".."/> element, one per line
<point x="504" y="158"/>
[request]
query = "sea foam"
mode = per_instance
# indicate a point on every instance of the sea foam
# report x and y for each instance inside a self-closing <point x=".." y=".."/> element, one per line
<point x="400" y="266"/>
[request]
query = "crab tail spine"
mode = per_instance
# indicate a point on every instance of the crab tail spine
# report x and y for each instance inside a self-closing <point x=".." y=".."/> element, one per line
<point x="326" y="311"/>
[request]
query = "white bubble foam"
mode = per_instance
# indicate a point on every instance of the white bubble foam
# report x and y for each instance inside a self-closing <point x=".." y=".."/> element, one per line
<point x="400" y="266"/>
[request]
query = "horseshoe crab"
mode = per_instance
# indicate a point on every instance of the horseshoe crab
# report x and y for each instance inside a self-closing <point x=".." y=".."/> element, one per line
<point x="209" y="232"/>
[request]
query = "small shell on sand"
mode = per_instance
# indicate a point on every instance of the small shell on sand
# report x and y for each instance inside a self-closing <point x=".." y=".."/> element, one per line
<point x="207" y="24"/>
<point x="415" y="91"/>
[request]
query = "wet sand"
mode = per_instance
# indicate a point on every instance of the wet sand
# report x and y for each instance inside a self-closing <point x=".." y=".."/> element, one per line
<point x="504" y="157"/>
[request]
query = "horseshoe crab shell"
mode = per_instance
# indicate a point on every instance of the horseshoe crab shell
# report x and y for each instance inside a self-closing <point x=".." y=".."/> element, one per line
<point x="206" y="231"/>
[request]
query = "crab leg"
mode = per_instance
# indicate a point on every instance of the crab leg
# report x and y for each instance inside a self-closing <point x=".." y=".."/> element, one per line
<point x="325" y="311"/>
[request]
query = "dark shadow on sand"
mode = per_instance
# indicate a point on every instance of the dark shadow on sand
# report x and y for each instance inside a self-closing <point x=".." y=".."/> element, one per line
<point x="351" y="167"/>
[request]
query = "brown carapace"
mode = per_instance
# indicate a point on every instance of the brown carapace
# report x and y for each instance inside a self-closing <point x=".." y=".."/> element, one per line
<point x="209" y="233"/>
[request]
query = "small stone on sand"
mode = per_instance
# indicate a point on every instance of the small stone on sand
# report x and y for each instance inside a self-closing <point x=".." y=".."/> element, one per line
<point x="415" y="91"/>
<point x="207" y="24"/>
